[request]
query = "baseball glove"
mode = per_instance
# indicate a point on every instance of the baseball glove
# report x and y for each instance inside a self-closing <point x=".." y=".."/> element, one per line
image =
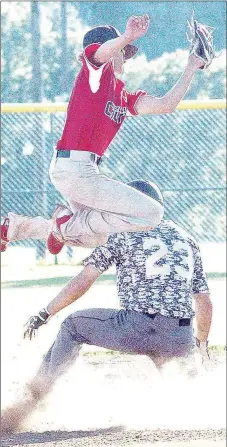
<point x="201" y="40"/>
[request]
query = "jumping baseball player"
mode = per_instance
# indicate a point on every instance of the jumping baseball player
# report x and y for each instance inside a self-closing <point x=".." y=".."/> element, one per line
<point x="158" y="273"/>
<point x="98" y="105"/>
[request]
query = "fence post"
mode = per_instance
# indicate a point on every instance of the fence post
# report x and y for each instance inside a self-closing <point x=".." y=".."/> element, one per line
<point x="37" y="94"/>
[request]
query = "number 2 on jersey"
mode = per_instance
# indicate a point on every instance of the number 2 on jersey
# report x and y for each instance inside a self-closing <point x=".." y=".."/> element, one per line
<point x="153" y="269"/>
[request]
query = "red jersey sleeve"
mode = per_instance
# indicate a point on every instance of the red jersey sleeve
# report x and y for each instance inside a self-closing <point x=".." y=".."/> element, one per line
<point x="92" y="72"/>
<point x="132" y="99"/>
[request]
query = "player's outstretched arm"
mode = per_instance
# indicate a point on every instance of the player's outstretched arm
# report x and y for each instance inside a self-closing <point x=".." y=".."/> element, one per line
<point x="136" y="27"/>
<point x="167" y="104"/>
<point x="70" y="293"/>
<point x="201" y="54"/>
<point x="74" y="289"/>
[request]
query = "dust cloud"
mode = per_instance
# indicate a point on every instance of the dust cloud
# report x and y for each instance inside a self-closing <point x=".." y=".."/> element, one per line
<point x="127" y="391"/>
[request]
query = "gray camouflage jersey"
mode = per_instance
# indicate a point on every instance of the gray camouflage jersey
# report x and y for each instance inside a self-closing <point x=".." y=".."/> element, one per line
<point x="158" y="270"/>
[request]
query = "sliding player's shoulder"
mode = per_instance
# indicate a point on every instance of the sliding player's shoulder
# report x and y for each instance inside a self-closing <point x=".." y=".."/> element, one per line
<point x="172" y="231"/>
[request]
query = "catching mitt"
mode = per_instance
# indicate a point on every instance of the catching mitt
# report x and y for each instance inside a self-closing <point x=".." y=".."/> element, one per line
<point x="201" y="39"/>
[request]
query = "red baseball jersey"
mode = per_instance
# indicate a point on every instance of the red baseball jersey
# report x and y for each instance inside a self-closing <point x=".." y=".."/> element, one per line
<point x="97" y="107"/>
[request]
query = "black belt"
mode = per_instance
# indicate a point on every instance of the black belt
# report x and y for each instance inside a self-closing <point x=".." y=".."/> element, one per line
<point x="182" y="321"/>
<point x="66" y="154"/>
<point x="151" y="315"/>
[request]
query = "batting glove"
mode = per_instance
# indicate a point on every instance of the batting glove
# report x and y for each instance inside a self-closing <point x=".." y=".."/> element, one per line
<point x="203" y="349"/>
<point x="35" y="322"/>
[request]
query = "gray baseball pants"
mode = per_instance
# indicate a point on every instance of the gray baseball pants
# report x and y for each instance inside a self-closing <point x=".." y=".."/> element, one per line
<point x="121" y="330"/>
<point x="100" y="205"/>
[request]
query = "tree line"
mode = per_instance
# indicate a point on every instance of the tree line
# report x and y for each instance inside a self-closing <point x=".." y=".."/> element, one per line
<point x="40" y="42"/>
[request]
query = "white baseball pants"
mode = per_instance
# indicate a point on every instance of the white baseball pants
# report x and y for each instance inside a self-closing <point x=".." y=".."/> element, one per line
<point x="24" y="227"/>
<point x="100" y="205"/>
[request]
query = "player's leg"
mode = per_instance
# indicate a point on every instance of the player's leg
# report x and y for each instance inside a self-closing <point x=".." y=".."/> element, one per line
<point x="108" y="328"/>
<point x="159" y="361"/>
<point x="16" y="227"/>
<point x="86" y="240"/>
<point x="187" y="365"/>
<point x="121" y="330"/>
<point x="59" y="357"/>
<point x="110" y="206"/>
<point x="120" y="206"/>
<point x="175" y="343"/>
<point x="62" y="215"/>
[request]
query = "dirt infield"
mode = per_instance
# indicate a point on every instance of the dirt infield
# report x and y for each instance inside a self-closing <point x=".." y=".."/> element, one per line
<point x="117" y="437"/>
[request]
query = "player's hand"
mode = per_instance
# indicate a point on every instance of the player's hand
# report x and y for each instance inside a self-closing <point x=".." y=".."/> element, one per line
<point x="195" y="62"/>
<point x="202" y="347"/>
<point x="35" y="322"/>
<point x="136" y="27"/>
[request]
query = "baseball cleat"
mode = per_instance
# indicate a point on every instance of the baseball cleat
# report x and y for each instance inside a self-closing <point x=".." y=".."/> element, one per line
<point x="4" y="234"/>
<point x="55" y="241"/>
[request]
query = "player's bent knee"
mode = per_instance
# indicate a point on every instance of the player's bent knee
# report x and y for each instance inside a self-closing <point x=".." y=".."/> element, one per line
<point x="71" y="328"/>
<point x="156" y="215"/>
<point x="96" y="240"/>
<point x="100" y="239"/>
<point x="93" y="241"/>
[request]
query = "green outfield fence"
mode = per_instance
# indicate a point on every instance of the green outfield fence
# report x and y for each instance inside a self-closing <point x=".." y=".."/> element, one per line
<point x="184" y="153"/>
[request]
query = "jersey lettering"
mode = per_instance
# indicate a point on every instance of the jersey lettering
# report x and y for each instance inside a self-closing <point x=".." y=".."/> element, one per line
<point x="115" y="113"/>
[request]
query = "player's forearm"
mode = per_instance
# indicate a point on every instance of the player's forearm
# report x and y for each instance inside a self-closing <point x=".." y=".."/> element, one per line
<point x="109" y="49"/>
<point x="72" y="291"/>
<point x="168" y="103"/>
<point x="203" y="311"/>
<point x="177" y="93"/>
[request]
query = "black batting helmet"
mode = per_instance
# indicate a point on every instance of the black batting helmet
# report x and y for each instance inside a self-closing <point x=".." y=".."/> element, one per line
<point x="101" y="34"/>
<point x="149" y="188"/>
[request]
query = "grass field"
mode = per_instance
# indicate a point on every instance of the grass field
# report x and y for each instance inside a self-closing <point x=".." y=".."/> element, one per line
<point x="27" y="291"/>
